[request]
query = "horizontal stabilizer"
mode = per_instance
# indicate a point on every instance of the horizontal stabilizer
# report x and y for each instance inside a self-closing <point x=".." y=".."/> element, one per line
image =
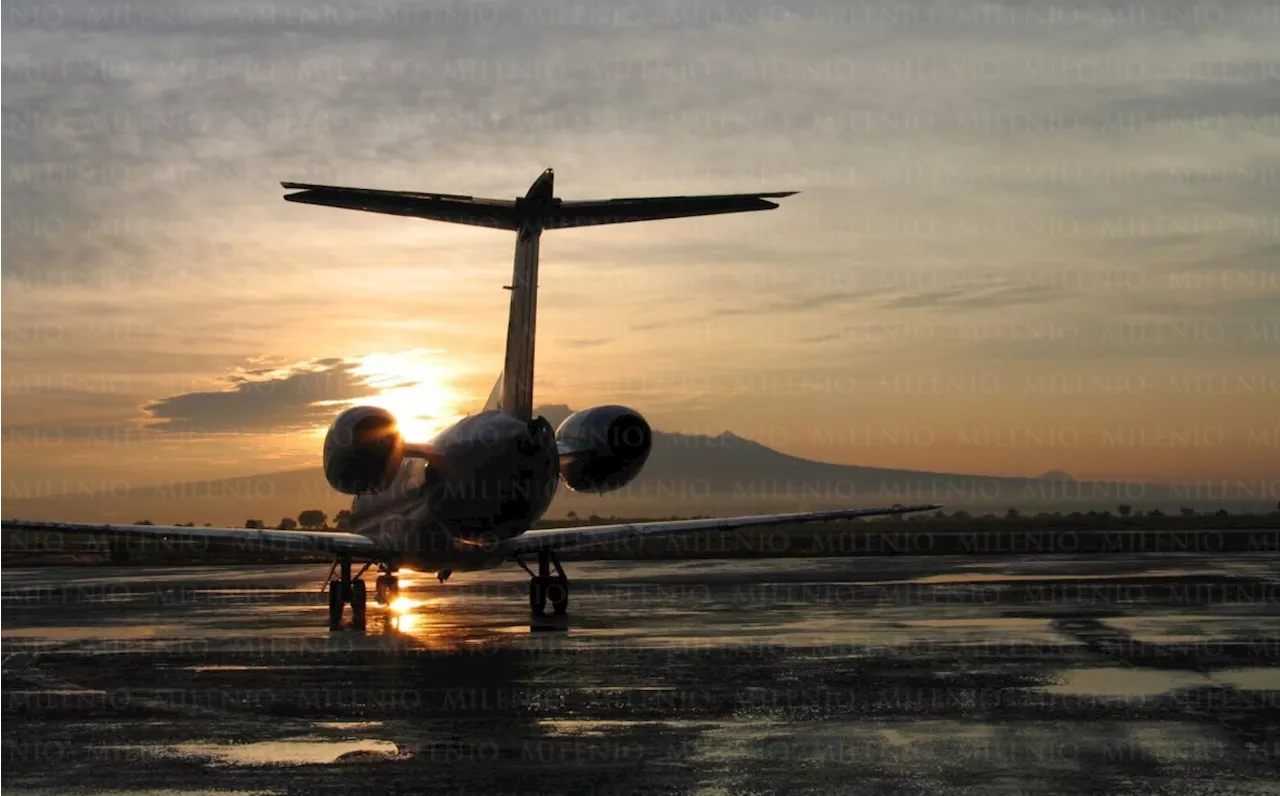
<point x="495" y="213"/>
<point x="511" y="213"/>
<point x="621" y="211"/>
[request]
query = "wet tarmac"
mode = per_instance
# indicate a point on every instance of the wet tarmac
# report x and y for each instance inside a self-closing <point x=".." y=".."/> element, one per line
<point x="1138" y="674"/>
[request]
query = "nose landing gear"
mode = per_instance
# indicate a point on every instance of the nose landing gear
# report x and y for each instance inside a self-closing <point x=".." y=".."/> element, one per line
<point x="545" y="587"/>
<point x="386" y="588"/>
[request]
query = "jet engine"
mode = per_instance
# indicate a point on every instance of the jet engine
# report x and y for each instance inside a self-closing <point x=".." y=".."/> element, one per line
<point x="362" y="451"/>
<point x="603" y="448"/>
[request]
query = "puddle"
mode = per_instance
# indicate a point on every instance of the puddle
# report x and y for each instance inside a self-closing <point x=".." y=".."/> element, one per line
<point x="225" y="668"/>
<point x="588" y="727"/>
<point x="1117" y="682"/>
<point x="287" y="752"/>
<point x="348" y="725"/>
<point x="961" y="578"/>
<point x="1249" y="679"/>
<point x="232" y="667"/>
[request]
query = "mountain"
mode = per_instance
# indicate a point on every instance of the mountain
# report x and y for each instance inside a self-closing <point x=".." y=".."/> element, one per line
<point x="685" y="475"/>
<point x="1056" y="475"/>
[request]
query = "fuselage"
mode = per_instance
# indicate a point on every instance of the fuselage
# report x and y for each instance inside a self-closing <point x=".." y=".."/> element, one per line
<point x="491" y="477"/>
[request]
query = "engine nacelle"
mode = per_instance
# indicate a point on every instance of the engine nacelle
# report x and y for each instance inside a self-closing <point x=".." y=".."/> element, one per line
<point x="362" y="451"/>
<point x="603" y="448"/>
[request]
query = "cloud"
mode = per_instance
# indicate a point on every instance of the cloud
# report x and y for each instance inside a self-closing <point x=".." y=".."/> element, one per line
<point x="977" y="299"/>
<point x="284" y="399"/>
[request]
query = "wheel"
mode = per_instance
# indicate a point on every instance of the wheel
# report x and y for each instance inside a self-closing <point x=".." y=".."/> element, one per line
<point x="537" y="596"/>
<point x="335" y="605"/>
<point x="381" y="590"/>
<point x="558" y="593"/>
<point x="358" y="597"/>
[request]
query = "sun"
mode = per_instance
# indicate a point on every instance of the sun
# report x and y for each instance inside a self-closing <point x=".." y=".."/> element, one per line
<point x="416" y="386"/>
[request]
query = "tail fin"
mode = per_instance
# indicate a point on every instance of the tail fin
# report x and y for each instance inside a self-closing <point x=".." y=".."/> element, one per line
<point x="517" y="370"/>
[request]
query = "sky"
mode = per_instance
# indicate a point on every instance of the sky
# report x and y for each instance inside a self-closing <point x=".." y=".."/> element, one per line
<point x="1028" y="237"/>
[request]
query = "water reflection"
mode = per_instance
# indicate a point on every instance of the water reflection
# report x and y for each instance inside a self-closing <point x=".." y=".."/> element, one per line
<point x="451" y="621"/>
<point x="402" y="615"/>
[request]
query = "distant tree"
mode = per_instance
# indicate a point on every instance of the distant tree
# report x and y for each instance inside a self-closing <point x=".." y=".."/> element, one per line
<point x="1187" y="511"/>
<point x="257" y="524"/>
<point x="144" y="522"/>
<point x="1012" y="514"/>
<point x="185" y="525"/>
<point x="594" y="517"/>
<point x="1222" y="513"/>
<point x="1124" y="509"/>
<point x="1155" y="513"/>
<point x="342" y="520"/>
<point x="939" y="515"/>
<point x="287" y="524"/>
<point x="312" y="518"/>
<point x="962" y="515"/>
<point x="571" y="515"/>
<point x="208" y="525"/>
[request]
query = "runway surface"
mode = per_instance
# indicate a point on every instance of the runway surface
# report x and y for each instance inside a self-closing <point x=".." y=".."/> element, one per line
<point x="1137" y="674"/>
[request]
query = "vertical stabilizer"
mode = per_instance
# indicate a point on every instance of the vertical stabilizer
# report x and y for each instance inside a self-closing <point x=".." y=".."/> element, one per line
<point x="517" y="371"/>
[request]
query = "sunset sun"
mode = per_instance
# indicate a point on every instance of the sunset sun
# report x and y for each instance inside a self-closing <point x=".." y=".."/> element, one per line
<point x="417" y="387"/>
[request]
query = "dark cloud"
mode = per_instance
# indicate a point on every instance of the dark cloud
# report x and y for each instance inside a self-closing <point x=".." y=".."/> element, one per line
<point x="290" y="400"/>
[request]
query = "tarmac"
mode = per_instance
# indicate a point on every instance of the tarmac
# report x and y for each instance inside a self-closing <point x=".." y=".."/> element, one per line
<point x="1119" y="674"/>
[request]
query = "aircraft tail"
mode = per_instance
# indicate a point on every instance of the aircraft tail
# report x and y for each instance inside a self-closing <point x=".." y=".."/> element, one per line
<point x="529" y="215"/>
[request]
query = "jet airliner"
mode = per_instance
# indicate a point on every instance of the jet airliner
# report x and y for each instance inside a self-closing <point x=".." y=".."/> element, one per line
<point x="469" y="498"/>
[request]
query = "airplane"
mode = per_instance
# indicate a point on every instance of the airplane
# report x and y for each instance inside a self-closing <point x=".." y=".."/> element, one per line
<point x="469" y="498"/>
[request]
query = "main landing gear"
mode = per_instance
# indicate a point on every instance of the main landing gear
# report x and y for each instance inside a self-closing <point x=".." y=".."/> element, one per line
<point x="545" y="587"/>
<point x="344" y="591"/>
<point x="347" y="590"/>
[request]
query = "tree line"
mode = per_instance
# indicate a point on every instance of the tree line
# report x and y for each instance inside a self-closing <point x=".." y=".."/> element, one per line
<point x="311" y="519"/>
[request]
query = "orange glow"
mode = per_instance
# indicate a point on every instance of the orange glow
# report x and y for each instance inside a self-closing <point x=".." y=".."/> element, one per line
<point x="416" y="386"/>
<point x="402" y="616"/>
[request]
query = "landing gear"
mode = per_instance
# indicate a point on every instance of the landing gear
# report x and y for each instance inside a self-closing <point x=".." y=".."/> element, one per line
<point x="545" y="587"/>
<point x="347" y="590"/>
<point x="386" y="589"/>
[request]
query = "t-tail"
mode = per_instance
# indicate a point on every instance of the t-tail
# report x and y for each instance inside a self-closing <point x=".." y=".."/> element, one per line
<point x="530" y="215"/>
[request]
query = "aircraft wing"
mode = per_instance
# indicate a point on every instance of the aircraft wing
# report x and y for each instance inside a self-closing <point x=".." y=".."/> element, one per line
<point x="242" y="539"/>
<point x="619" y="211"/>
<point x="496" y="213"/>
<point x="558" y="538"/>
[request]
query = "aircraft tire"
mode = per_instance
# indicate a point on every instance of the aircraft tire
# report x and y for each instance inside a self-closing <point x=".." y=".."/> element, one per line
<point x="558" y="593"/>
<point x="335" y="605"/>
<point x="358" y="599"/>
<point x="537" y="596"/>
